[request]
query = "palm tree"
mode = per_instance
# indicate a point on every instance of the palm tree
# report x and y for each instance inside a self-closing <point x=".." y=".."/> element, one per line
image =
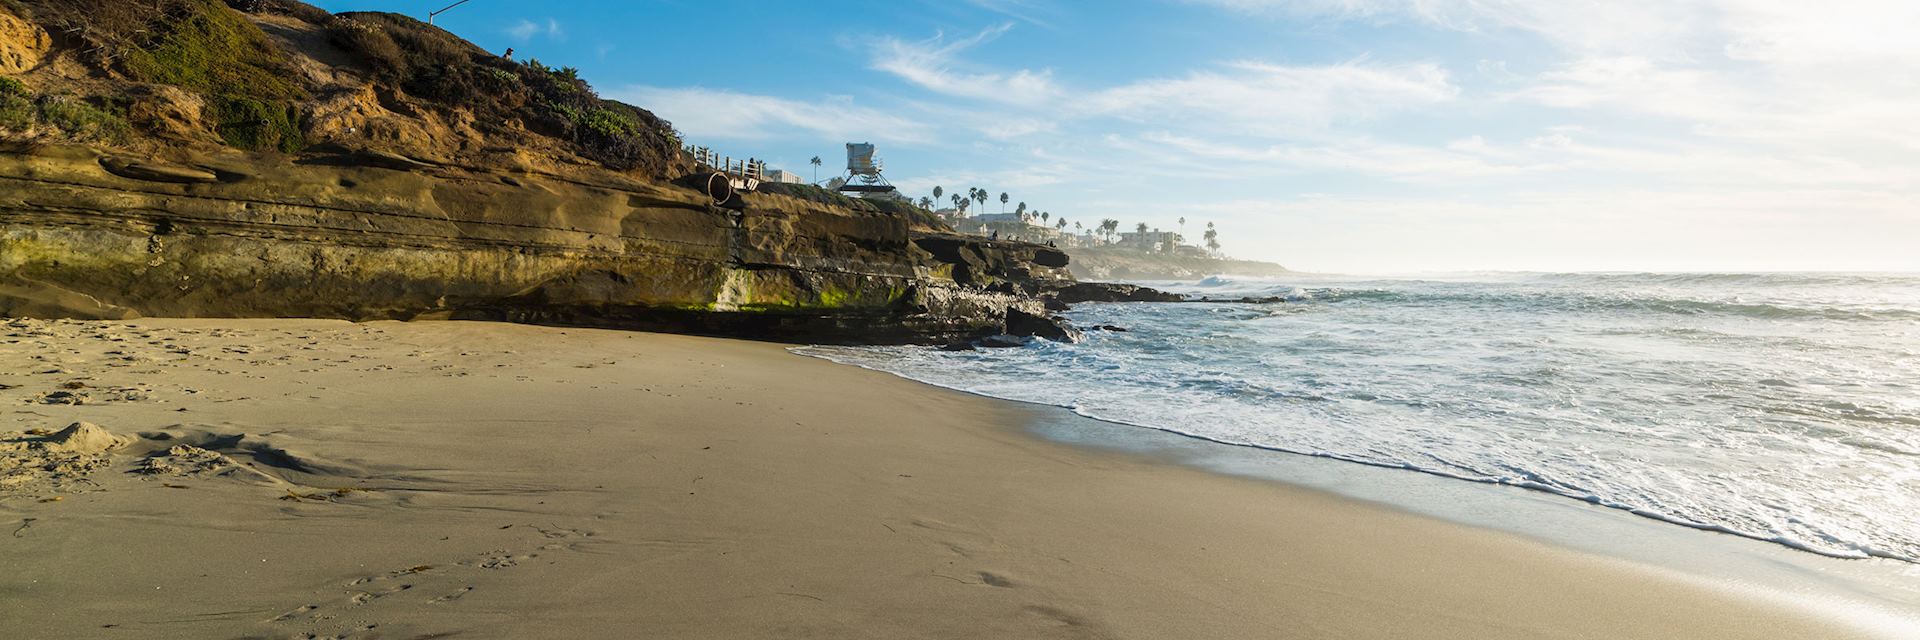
<point x="936" y="192"/>
<point x="1183" y="225"/>
<point x="1140" y="228"/>
<point x="959" y="206"/>
<point x="1107" y="226"/>
<point x="1003" y="201"/>
<point x="1060" y="224"/>
<point x="1213" y="239"/>
<point x="1044" y="215"/>
<point x="926" y="203"/>
<point x="816" y="168"/>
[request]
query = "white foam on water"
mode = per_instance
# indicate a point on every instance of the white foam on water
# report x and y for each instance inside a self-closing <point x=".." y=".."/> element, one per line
<point x="1780" y="407"/>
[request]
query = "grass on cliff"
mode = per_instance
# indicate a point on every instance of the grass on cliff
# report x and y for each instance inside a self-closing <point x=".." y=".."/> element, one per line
<point x="434" y="65"/>
<point x="24" y="114"/>
<point x="201" y="45"/>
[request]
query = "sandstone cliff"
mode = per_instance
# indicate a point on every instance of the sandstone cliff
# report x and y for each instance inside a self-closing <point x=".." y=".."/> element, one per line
<point x="398" y="172"/>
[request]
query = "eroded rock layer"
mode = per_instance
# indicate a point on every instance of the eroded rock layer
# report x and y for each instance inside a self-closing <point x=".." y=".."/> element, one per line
<point x="91" y="234"/>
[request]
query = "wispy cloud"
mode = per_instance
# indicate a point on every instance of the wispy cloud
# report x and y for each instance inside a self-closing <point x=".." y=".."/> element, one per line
<point x="1274" y="99"/>
<point x="931" y="64"/>
<point x="1245" y="96"/>
<point x="525" y="30"/>
<point x="718" y="114"/>
<point x="1029" y="11"/>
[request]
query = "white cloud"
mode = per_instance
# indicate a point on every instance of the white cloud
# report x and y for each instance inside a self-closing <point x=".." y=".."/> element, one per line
<point x="931" y="64"/>
<point x="1356" y="155"/>
<point x="524" y="30"/>
<point x="1613" y="26"/>
<point x="1262" y="98"/>
<point x="717" y="114"/>
<point x="1243" y="96"/>
<point x="1023" y="10"/>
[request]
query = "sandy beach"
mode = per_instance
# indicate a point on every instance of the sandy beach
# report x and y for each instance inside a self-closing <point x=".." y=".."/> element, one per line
<point x="321" y="479"/>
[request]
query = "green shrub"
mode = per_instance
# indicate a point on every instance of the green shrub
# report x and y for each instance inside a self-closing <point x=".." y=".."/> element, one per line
<point x="12" y="87"/>
<point x="396" y="48"/>
<point x="17" y="113"/>
<point x="214" y="51"/>
<point x="305" y="12"/>
<point x="370" y="44"/>
<point x="435" y="66"/>
<point x="252" y="124"/>
<point x="103" y="32"/>
<point x="83" y="121"/>
<point x="205" y="46"/>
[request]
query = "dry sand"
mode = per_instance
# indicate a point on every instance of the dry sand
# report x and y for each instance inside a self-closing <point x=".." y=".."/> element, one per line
<point x="323" y="479"/>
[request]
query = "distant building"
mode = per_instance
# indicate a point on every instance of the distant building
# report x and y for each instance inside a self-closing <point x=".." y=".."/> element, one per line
<point x="783" y="175"/>
<point x="1151" y="240"/>
<point x="1010" y="226"/>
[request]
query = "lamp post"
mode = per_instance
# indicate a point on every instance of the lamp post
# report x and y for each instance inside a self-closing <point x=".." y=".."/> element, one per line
<point x="450" y="7"/>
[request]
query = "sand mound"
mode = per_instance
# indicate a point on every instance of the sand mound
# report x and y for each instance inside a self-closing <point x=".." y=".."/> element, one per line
<point x="35" y="460"/>
<point x="84" y="437"/>
<point x="240" y="455"/>
<point x="185" y="460"/>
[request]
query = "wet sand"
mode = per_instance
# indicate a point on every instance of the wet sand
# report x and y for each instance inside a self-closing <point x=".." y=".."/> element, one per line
<point x="288" y="478"/>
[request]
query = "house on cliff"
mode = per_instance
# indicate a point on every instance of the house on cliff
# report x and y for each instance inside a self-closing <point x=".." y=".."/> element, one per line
<point x="1014" y="226"/>
<point x="1155" y="241"/>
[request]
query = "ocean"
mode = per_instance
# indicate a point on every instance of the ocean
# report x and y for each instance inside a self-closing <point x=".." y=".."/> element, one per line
<point x="1783" y="407"/>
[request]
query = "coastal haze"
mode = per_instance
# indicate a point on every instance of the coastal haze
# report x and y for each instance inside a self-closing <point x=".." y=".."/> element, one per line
<point x="1331" y="319"/>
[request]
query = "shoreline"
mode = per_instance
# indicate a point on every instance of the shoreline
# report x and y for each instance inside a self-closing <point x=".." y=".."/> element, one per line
<point x="1871" y="587"/>
<point x="506" y="480"/>
<point x="1582" y="500"/>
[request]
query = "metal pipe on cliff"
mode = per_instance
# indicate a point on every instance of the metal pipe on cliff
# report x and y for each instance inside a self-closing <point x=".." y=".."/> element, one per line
<point x="719" y="187"/>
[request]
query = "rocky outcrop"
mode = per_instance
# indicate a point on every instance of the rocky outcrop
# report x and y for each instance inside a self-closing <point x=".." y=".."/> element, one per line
<point x="1039" y="325"/>
<point x="1078" y="292"/>
<point x="86" y="233"/>
<point x="1127" y="263"/>
<point x="1008" y="265"/>
<point x="22" y="43"/>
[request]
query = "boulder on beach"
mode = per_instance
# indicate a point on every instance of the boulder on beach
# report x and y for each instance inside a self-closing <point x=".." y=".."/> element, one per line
<point x="1021" y="323"/>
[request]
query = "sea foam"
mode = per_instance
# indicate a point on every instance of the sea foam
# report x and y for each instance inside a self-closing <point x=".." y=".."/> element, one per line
<point x="1781" y="407"/>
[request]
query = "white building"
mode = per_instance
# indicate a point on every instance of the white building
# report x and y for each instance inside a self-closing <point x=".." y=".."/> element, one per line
<point x="1010" y="226"/>
<point x="783" y="175"/>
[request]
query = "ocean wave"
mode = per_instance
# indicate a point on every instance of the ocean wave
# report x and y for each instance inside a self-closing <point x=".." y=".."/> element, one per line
<point x="1558" y="300"/>
<point x="1784" y="414"/>
<point x="1830" y="546"/>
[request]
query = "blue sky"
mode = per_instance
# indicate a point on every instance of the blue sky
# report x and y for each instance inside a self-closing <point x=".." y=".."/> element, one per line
<point x="1333" y="135"/>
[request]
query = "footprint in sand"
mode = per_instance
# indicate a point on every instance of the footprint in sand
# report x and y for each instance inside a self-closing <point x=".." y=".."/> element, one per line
<point x="364" y="597"/>
<point x="462" y="593"/>
<point x="294" y="613"/>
